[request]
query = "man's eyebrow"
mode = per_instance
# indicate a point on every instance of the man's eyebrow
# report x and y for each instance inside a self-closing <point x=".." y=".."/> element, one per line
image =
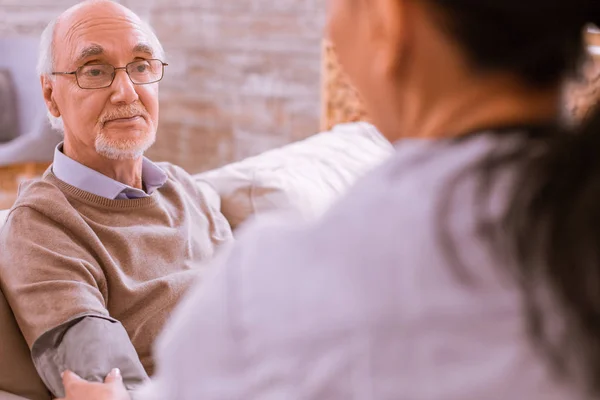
<point x="90" y="51"/>
<point x="144" y="48"/>
<point x="96" y="50"/>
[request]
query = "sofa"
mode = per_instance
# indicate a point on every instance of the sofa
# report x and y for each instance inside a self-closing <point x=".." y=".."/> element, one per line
<point x="302" y="179"/>
<point x="25" y="134"/>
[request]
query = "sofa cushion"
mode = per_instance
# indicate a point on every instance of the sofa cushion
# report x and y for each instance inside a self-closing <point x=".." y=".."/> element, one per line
<point x="3" y="215"/>
<point x="303" y="178"/>
<point x="8" y="396"/>
<point x="9" y="123"/>
<point x="17" y="373"/>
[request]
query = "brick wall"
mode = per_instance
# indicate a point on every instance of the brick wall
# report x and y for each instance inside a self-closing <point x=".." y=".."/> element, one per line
<point x="243" y="74"/>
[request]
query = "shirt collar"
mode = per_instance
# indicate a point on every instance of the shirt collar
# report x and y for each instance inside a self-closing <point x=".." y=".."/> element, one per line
<point x="91" y="181"/>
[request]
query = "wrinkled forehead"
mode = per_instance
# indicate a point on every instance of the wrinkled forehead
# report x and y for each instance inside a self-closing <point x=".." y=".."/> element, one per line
<point x="110" y="38"/>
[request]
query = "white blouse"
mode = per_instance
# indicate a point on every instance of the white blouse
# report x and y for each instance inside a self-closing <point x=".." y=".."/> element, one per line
<point x="366" y="302"/>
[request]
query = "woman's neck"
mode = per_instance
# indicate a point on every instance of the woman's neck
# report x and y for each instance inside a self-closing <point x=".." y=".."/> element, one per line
<point x="467" y="107"/>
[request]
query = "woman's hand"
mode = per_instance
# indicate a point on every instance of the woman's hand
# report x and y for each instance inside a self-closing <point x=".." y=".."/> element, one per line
<point x="80" y="389"/>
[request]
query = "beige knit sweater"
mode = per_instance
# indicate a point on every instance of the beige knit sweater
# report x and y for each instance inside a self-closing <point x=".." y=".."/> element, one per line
<point x="66" y="253"/>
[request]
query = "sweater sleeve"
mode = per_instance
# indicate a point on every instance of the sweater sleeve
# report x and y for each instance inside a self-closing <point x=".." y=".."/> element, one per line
<point x="46" y="274"/>
<point x="57" y="293"/>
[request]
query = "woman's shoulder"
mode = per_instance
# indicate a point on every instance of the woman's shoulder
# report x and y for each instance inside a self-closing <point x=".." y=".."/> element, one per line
<point x="401" y="196"/>
<point x="394" y="213"/>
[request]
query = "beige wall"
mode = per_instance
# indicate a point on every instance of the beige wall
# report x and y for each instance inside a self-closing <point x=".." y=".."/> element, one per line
<point x="243" y="74"/>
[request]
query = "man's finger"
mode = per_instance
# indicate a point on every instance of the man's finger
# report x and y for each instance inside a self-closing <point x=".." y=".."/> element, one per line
<point x="114" y="376"/>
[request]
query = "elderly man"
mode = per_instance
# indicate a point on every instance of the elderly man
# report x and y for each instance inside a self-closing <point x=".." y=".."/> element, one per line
<point x="97" y="252"/>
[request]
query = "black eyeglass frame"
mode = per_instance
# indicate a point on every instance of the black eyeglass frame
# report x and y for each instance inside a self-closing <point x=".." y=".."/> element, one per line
<point x="114" y="74"/>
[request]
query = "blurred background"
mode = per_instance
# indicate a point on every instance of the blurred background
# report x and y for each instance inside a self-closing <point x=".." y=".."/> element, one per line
<point x="243" y="75"/>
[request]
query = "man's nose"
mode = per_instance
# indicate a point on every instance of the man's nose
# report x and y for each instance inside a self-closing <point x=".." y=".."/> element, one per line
<point x="123" y="90"/>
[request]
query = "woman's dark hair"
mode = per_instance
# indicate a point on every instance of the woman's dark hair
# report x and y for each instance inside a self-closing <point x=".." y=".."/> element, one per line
<point x="552" y="225"/>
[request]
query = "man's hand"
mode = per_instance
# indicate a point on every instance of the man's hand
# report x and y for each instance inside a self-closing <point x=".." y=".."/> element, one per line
<point x="79" y="389"/>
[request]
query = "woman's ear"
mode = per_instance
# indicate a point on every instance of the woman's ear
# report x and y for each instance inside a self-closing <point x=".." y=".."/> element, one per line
<point x="392" y="31"/>
<point x="48" y="91"/>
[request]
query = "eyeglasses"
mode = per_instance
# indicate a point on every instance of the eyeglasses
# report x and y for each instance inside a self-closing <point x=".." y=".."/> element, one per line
<point x="98" y="76"/>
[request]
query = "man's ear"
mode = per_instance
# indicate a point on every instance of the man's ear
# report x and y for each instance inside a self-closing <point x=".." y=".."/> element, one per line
<point x="48" y="92"/>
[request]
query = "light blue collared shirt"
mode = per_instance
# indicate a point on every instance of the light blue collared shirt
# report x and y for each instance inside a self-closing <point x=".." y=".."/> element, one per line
<point x="91" y="181"/>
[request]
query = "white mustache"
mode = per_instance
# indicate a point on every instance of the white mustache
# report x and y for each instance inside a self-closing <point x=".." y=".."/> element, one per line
<point x="124" y="112"/>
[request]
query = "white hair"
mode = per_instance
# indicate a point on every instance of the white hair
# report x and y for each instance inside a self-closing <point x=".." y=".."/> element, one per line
<point x="46" y="62"/>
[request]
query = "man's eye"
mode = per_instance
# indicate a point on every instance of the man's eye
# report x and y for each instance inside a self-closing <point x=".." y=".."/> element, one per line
<point x="94" y="72"/>
<point x="141" y="68"/>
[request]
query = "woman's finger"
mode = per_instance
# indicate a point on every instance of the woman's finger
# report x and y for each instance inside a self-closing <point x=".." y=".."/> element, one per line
<point x="114" y="376"/>
<point x="70" y="378"/>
